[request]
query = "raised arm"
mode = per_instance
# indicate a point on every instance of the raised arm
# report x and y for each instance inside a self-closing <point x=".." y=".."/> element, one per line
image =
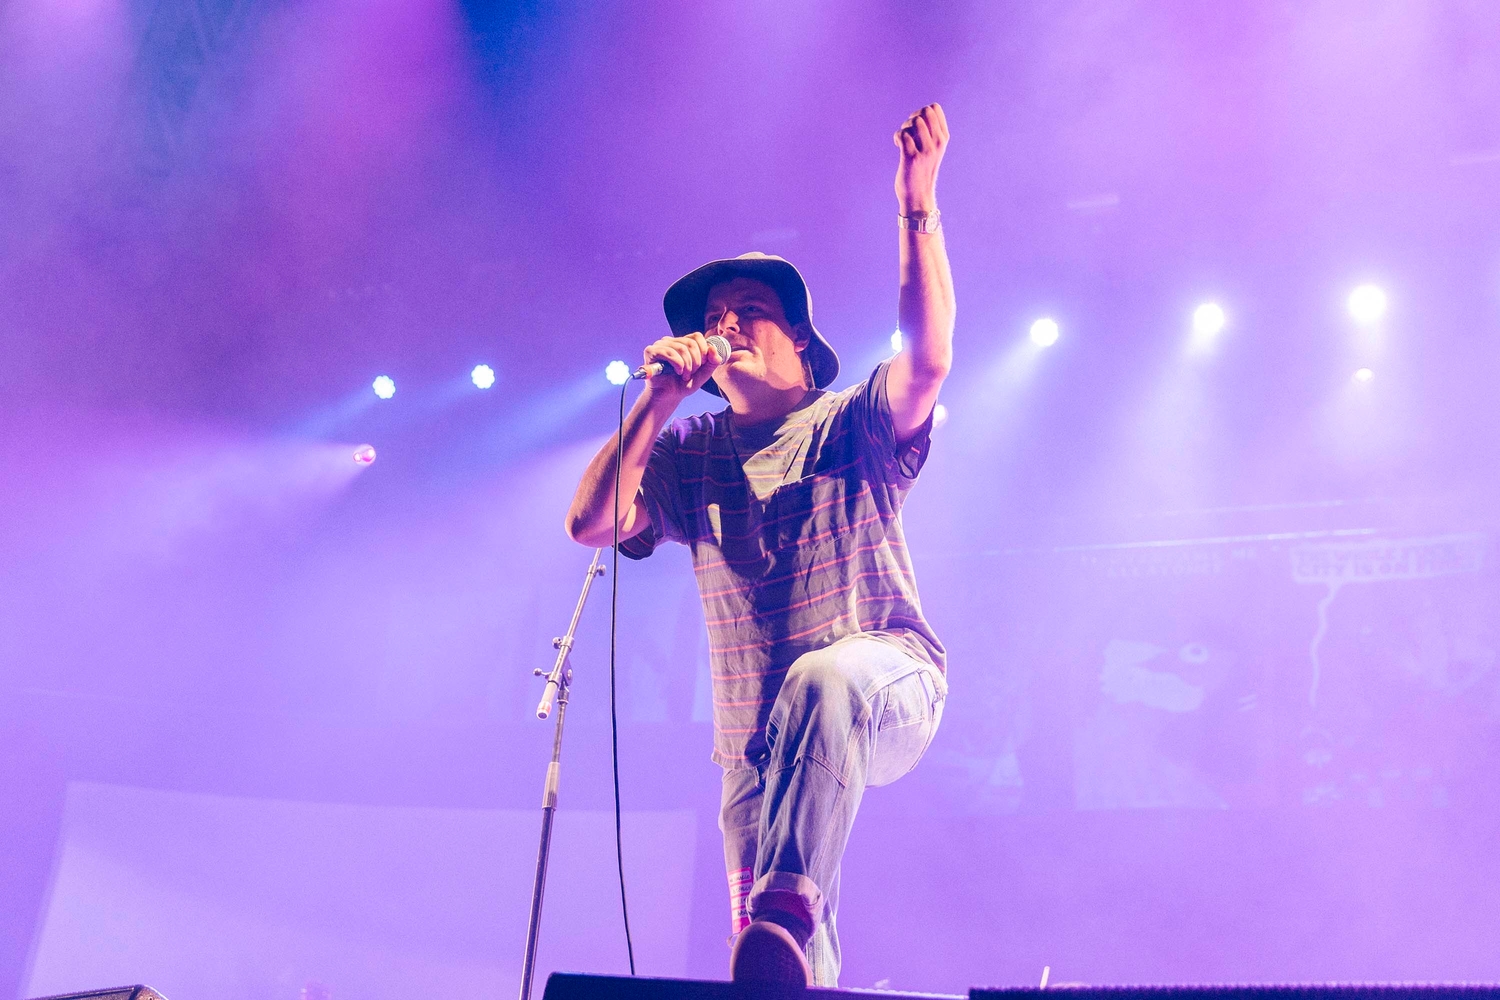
<point x="589" y="516"/>
<point x="926" y="307"/>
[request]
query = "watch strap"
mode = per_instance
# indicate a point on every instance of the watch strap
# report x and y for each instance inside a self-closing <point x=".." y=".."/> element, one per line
<point x="927" y="222"/>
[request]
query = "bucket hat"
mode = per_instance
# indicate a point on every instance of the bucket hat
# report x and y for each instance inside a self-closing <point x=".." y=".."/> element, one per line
<point x="685" y="301"/>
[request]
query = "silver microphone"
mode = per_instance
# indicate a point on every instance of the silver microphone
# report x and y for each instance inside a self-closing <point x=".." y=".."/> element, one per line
<point x="718" y="343"/>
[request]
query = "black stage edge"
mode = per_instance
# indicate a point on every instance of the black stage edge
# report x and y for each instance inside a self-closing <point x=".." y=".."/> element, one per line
<point x="1259" y="991"/>
<point x="114" y="993"/>
<point x="569" y="986"/>
<point x="1267" y="991"/>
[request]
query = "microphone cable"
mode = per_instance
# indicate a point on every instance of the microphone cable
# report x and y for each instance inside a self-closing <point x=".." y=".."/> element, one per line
<point x="614" y="723"/>
<point x="722" y="346"/>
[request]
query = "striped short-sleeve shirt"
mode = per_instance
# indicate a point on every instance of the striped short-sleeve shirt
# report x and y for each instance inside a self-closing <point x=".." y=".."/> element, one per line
<point x="795" y="532"/>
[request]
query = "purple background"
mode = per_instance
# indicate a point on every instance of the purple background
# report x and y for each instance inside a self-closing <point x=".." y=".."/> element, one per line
<point x="219" y="221"/>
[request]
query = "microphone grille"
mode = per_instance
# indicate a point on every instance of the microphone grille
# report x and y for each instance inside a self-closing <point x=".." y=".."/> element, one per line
<point x="721" y="347"/>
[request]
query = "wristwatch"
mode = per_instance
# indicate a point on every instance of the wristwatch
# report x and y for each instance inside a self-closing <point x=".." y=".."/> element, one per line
<point x="928" y="222"/>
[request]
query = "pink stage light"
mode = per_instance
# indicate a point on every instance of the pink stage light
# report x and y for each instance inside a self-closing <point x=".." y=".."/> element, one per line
<point x="364" y="454"/>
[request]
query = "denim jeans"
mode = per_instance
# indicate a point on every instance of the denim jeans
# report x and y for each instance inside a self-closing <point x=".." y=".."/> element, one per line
<point x="860" y="712"/>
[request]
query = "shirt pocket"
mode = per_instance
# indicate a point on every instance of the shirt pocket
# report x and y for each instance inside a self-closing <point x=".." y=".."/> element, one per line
<point x="815" y="513"/>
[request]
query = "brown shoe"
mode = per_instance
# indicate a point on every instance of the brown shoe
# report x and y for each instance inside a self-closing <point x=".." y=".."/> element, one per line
<point x="766" y="952"/>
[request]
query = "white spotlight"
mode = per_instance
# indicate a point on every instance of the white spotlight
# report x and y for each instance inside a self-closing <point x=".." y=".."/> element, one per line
<point x="384" y="386"/>
<point x="1208" y="319"/>
<point x="618" y="372"/>
<point x="939" y="416"/>
<point x="1367" y="303"/>
<point x="1363" y="375"/>
<point x="365" y="454"/>
<point x="896" y="342"/>
<point x="1044" y="332"/>
<point x="483" y="376"/>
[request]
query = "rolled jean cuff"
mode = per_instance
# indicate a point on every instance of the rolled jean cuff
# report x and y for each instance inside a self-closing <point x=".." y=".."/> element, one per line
<point x="787" y="893"/>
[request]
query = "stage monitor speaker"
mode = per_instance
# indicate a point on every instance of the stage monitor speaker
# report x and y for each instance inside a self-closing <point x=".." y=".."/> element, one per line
<point x="117" y="993"/>
<point x="566" y="986"/>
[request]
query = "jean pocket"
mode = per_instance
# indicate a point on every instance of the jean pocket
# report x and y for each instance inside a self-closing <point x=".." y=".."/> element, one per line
<point x="907" y="723"/>
<point x="908" y="701"/>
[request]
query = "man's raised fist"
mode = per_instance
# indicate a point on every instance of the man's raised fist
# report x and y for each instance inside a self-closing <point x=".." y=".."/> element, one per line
<point x="922" y="138"/>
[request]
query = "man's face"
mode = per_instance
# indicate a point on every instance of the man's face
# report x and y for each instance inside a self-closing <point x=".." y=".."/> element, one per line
<point x="766" y="348"/>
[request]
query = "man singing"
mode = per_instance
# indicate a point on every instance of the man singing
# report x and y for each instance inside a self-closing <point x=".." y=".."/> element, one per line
<point x="826" y="676"/>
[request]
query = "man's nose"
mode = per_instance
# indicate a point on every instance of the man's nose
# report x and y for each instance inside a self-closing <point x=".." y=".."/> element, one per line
<point x="729" y="321"/>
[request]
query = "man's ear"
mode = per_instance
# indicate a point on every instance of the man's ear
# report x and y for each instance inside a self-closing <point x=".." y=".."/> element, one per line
<point x="802" y="335"/>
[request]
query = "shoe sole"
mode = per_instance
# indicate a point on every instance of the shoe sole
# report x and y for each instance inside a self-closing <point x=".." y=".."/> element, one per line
<point x="767" y="953"/>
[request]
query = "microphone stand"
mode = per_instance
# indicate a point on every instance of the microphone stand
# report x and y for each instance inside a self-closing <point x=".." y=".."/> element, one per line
<point x="557" y="684"/>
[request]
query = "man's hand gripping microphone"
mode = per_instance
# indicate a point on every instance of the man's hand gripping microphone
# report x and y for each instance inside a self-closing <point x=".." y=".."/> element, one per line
<point x="652" y="369"/>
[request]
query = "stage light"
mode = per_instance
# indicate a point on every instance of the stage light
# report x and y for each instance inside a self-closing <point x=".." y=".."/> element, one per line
<point x="939" y="416"/>
<point x="1363" y="375"/>
<point x="384" y="386"/>
<point x="896" y="342"/>
<point x="1044" y="332"/>
<point x="618" y="372"/>
<point x="483" y="376"/>
<point x="364" y="454"/>
<point x="1208" y="319"/>
<point x="1367" y="303"/>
